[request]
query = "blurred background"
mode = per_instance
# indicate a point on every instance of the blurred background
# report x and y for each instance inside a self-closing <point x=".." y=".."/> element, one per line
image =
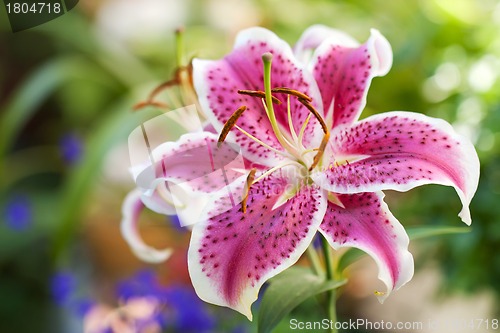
<point x="67" y="89"/>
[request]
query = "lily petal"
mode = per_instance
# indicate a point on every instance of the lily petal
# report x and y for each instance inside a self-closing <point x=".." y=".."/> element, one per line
<point x="131" y="210"/>
<point x="196" y="161"/>
<point x="169" y="198"/>
<point x="399" y="151"/>
<point x="232" y="253"/>
<point x="344" y="73"/>
<point x="217" y="84"/>
<point x="315" y="35"/>
<point x="187" y="173"/>
<point x="366" y="223"/>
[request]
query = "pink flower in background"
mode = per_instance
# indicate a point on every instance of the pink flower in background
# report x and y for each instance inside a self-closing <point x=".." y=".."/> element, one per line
<point x="311" y="165"/>
<point x="137" y="315"/>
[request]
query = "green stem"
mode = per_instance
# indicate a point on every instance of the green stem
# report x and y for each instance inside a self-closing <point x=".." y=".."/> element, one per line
<point x="188" y="96"/>
<point x="330" y="276"/>
<point x="179" y="46"/>
<point x="313" y="257"/>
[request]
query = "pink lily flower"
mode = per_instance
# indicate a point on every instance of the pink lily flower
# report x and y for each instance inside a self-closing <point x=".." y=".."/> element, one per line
<point x="311" y="164"/>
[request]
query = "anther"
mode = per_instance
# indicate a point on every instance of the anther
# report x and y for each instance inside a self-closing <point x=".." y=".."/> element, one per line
<point x="315" y="113"/>
<point x="292" y="92"/>
<point x="246" y="190"/>
<point x="230" y="124"/>
<point x="258" y="93"/>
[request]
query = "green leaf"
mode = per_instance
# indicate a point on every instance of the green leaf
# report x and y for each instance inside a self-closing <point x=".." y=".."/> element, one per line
<point x="286" y="291"/>
<point x="352" y="255"/>
<point x="425" y="232"/>
<point x="33" y="92"/>
<point x="349" y="257"/>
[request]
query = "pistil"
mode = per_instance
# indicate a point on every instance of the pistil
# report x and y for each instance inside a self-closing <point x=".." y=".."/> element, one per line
<point x="267" y="59"/>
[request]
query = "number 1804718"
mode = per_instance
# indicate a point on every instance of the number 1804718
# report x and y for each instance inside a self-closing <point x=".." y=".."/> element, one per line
<point x="33" y="8"/>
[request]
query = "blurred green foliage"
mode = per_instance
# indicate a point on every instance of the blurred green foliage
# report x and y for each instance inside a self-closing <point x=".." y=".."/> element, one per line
<point x="72" y="76"/>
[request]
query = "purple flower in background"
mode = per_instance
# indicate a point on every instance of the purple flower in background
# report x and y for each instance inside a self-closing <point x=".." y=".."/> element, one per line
<point x="71" y="148"/>
<point x="62" y="287"/>
<point x="183" y="310"/>
<point x="82" y="306"/>
<point x="186" y="312"/>
<point x="317" y="241"/>
<point x="143" y="283"/>
<point x="18" y="213"/>
<point x="176" y="223"/>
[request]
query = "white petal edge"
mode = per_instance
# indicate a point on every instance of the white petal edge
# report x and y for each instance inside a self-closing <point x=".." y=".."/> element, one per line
<point x="315" y="35"/>
<point x="131" y="209"/>
<point x="380" y="47"/>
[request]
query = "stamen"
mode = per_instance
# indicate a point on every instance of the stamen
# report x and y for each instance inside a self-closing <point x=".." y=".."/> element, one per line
<point x="178" y="80"/>
<point x="292" y="92"/>
<point x="321" y="151"/>
<point x="150" y="100"/>
<point x="326" y="137"/>
<point x="230" y="124"/>
<point x="279" y="152"/>
<point x="312" y="150"/>
<point x="144" y="104"/>
<point x="273" y="169"/>
<point x="165" y="85"/>
<point x="315" y="113"/>
<point x="258" y="93"/>
<point x="303" y="128"/>
<point x="246" y="190"/>
<point x="290" y="123"/>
